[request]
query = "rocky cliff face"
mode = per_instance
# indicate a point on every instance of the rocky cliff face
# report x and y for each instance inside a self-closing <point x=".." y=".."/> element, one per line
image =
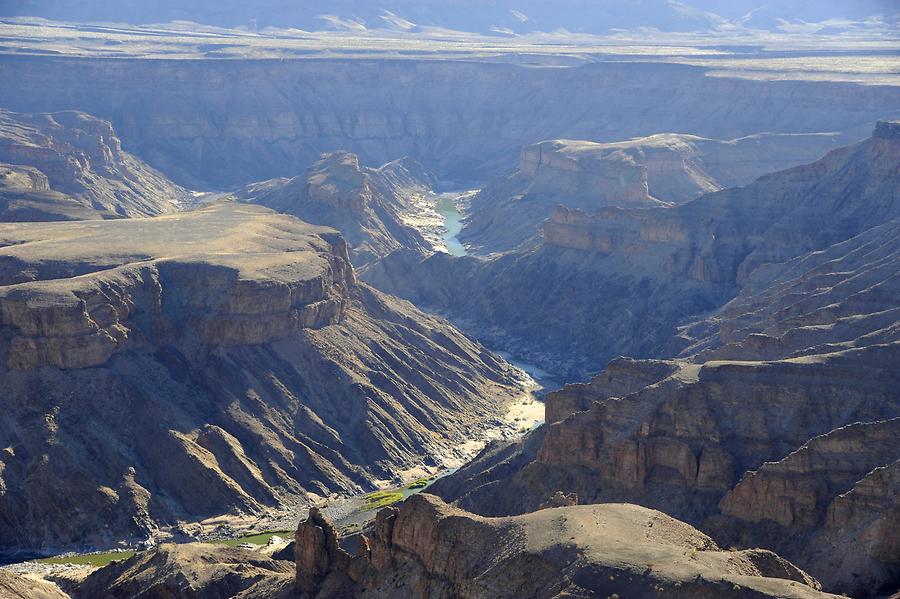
<point x="429" y="549"/>
<point x="81" y="159"/>
<point x="370" y="207"/>
<point x="725" y="446"/>
<point x="229" y="347"/>
<point x="797" y="490"/>
<point x="723" y="237"/>
<point x="217" y="124"/>
<point x="617" y="280"/>
<point x="643" y="172"/>
<point x="841" y="297"/>
<point x="774" y="425"/>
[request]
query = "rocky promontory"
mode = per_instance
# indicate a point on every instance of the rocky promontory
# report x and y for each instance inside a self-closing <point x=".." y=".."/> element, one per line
<point x="661" y="169"/>
<point x="229" y="347"/>
<point x="370" y="207"/>
<point x="429" y="549"/>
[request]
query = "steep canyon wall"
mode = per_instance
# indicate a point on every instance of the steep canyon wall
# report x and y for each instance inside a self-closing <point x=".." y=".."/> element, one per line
<point x="222" y="123"/>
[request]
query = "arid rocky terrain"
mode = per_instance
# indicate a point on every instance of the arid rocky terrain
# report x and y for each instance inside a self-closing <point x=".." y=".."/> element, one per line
<point x="214" y="124"/>
<point x="774" y="422"/>
<point x="661" y="169"/>
<point x="266" y="268"/>
<point x="429" y="549"/>
<point x="228" y="345"/>
<point x="371" y="207"/>
<point x="71" y="166"/>
<point x="616" y="281"/>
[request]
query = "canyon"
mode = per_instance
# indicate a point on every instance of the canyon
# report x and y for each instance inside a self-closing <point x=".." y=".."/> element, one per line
<point x="371" y="207"/>
<point x="229" y="345"/>
<point x="650" y="171"/>
<point x="217" y="124"/>
<point x="617" y="281"/>
<point x="771" y="421"/>
<point x="256" y="277"/>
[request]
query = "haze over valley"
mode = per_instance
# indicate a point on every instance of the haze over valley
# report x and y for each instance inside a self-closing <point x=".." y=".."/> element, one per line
<point x="449" y="299"/>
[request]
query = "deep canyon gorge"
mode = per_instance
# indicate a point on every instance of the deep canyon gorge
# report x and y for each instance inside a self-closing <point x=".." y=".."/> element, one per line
<point x="393" y="309"/>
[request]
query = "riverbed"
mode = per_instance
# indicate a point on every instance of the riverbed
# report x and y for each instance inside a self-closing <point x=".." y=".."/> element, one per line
<point x="353" y="512"/>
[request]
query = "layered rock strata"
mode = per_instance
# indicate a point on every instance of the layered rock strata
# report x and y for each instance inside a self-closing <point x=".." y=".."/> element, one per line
<point x="69" y="165"/>
<point x="370" y="207"/>
<point x="229" y="347"/>
<point x="644" y="172"/>
<point x="216" y="124"/>
<point x="617" y="281"/>
<point x="775" y="425"/>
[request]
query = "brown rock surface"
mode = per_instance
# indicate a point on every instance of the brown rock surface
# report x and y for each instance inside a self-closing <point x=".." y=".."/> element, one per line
<point x="429" y="549"/>
<point x="833" y="502"/>
<point x="316" y="552"/>
<point x="642" y="172"/>
<point x="15" y="586"/>
<point x="229" y="347"/>
<point x="71" y="166"/>
<point x="366" y="205"/>
<point x="191" y="571"/>
<point x="797" y="491"/>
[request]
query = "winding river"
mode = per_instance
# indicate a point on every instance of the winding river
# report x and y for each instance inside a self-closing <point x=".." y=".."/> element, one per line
<point x="448" y="207"/>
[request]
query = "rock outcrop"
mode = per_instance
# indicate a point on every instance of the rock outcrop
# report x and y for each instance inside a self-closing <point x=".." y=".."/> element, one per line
<point x="617" y="281"/>
<point x="370" y="207"/>
<point x="229" y="347"/>
<point x="14" y="586"/>
<point x="727" y="446"/>
<point x="643" y="172"/>
<point x="195" y="570"/>
<point x="834" y="501"/>
<point x="775" y="423"/>
<point x="429" y="549"/>
<point x="70" y="166"/>
<point x="317" y="552"/>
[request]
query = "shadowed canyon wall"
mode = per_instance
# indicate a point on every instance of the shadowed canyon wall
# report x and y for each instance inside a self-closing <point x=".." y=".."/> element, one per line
<point x="223" y="123"/>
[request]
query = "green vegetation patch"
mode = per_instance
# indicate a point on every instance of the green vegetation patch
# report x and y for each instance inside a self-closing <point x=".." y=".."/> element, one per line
<point x="380" y="499"/>
<point x="104" y="559"/>
<point x="89" y="559"/>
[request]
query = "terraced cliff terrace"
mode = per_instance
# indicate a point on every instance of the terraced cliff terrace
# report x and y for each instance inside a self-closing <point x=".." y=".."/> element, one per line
<point x="448" y="299"/>
<point x="143" y="356"/>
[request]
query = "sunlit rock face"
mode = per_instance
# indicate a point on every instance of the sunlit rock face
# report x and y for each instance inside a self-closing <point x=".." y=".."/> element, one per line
<point x="772" y="421"/>
<point x="617" y="281"/>
<point x="229" y="347"/>
<point x="427" y="548"/>
<point x="219" y="124"/>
